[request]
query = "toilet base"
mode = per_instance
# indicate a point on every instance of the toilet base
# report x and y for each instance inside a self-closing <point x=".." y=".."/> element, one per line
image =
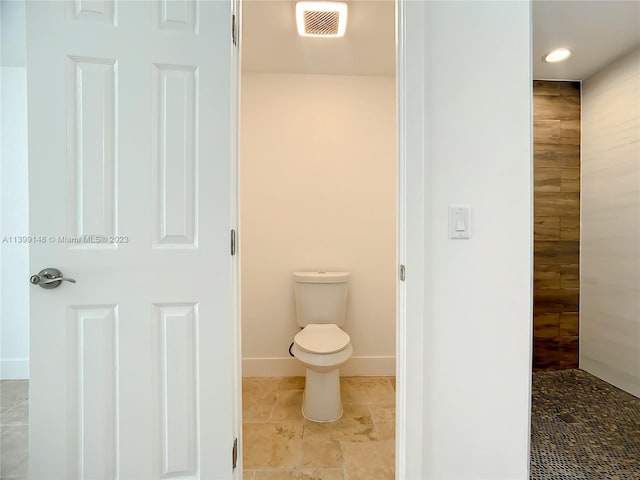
<point x="321" y="401"/>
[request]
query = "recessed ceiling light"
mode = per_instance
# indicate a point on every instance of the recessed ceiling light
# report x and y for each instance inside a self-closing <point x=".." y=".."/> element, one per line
<point x="557" y="55"/>
<point x="321" y="19"/>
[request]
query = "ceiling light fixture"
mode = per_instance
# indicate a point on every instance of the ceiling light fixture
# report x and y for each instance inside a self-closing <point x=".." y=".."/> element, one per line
<point x="557" y="55"/>
<point x="321" y="19"/>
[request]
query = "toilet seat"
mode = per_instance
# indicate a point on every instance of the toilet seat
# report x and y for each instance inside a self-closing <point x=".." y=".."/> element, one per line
<point x="322" y="338"/>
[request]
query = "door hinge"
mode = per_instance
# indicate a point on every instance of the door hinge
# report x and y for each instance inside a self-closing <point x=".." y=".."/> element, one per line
<point x="234" y="454"/>
<point x="234" y="31"/>
<point x="233" y="242"/>
<point x="402" y="273"/>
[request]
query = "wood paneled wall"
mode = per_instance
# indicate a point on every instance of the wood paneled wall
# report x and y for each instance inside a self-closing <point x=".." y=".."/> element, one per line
<point x="556" y="136"/>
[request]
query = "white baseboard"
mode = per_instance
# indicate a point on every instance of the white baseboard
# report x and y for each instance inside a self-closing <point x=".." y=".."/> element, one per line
<point x="290" y="367"/>
<point x="14" y="369"/>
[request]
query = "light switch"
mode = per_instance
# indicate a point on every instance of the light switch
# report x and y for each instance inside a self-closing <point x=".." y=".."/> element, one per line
<point x="459" y="221"/>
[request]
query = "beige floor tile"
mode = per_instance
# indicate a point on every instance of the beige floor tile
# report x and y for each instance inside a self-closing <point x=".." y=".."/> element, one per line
<point x="302" y="474"/>
<point x="15" y="416"/>
<point x="292" y="383"/>
<point x="272" y="445"/>
<point x="368" y="461"/>
<point x="384" y="419"/>
<point x="258" y="398"/>
<point x="367" y="391"/>
<point x="385" y="430"/>
<point x="13" y="393"/>
<point x="321" y="454"/>
<point x="287" y="447"/>
<point x="356" y="425"/>
<point x="14" y="444"/>
<point x="288" y="406"/>
<point x="383" y="413"/>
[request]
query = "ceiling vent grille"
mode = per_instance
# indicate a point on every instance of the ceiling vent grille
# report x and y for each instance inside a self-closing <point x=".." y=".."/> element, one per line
<point x="321" y="23"/>
<point x="321" y="19"/>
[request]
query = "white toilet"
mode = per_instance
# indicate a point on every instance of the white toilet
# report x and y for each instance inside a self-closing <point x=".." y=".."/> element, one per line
<point x="321" y="346"/>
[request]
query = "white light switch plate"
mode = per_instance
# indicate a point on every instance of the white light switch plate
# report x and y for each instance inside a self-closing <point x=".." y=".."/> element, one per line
<point x="459" y="221"/>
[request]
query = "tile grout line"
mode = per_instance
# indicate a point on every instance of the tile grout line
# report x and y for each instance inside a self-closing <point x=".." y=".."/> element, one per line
<point x="301" y="447"/>
<point x="275" y="400"/>
<point x="375" y="424"/>
<point x="345" y="474"/>
<point x="23" y="403"/>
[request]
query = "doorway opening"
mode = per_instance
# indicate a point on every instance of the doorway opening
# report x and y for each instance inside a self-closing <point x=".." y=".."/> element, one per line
<point x="585" y="301"/>
<point x="318" y="192"/>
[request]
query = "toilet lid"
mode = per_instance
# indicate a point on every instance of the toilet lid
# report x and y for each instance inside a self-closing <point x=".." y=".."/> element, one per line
<point x="322" y="338"/>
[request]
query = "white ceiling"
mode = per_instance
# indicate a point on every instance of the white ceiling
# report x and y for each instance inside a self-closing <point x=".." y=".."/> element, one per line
<point x="597" y="31"/>
<point x="270" y="41"/>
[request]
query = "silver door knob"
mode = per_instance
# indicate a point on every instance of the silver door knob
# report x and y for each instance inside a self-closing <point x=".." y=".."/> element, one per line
<point x="49" y="278"/>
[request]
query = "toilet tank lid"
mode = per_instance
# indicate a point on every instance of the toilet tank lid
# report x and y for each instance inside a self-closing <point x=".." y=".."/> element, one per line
<point x="321" y="277"/>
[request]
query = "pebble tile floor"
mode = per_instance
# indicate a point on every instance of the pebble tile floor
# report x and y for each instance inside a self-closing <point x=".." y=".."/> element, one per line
<point x="279" y="444"/>
<point x="583" y="429"/>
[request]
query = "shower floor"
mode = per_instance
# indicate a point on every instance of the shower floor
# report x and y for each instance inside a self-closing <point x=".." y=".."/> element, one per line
<point x="583" y="428"/>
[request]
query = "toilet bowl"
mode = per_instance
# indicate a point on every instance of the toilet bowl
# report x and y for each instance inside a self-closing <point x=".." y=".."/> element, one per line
<point x="321" y="346"/>
<point x="322" y="353"/>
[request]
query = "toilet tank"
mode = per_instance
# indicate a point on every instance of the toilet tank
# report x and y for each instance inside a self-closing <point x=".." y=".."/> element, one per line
<point x="321" y="297"/>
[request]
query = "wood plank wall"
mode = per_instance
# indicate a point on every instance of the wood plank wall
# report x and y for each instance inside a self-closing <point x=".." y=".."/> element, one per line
<point x="556" y="136"/>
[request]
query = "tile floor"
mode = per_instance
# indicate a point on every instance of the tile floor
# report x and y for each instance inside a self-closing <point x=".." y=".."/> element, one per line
<point x="14" y="429"/>
<point x="279" y="444"/>
<point x="582" y="428"/>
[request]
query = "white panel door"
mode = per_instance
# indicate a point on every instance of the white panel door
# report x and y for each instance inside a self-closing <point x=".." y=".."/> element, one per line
<point x="129" y="161"/>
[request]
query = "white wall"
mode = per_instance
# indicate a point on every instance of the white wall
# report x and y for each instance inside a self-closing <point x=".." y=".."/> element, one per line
<point x="318" y="192"/>
<point x="477" y="297"/>
<point x="468" y="123"/>
<point x="14" y="309"/>
<point x="610" y="248"/>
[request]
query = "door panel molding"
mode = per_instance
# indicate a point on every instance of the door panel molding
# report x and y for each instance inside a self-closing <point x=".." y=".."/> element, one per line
<point x="92" y="344"/>
<point x="175" y="95"/>
<point x="92" y="148"/>
<point x="178" y="324"/>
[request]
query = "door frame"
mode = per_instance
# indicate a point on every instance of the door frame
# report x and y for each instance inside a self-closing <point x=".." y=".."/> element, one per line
<point x="410" y="221"/>
<point x="234" y="216"/>
<point x="411" y="209"/>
